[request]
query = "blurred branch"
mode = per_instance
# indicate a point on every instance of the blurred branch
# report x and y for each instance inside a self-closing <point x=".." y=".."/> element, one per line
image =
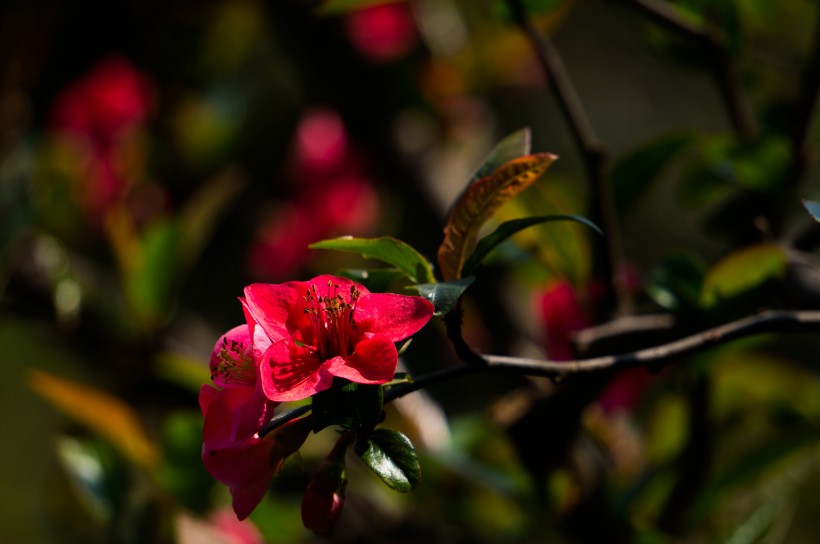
<point x="714" y="49"/>
<point x="608" y="251"/>
<point x="804" y="113"/>
<point x="770" y="321"/>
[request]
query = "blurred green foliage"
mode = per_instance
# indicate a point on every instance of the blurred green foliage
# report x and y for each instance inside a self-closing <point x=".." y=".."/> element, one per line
<point x="130" y="206"/>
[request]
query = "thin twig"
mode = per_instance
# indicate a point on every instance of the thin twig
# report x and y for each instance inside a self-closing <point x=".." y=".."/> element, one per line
<point x="772" y="321"/>
<point x="715" y="52"/>
<point x="594" y="158"/>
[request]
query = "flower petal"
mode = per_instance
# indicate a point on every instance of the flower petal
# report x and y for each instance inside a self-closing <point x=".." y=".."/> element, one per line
<point x="233" y="414"/>
<point x="396" y="316"/>
<point x="245" y="499"/>
<point x="290" y="372"/>
<point x="279" y="309"/>
<point x="260" y="339"/>
<point x="245" y="469"/>
<point x="231" y="345"/>
<point x="373" y="361"/>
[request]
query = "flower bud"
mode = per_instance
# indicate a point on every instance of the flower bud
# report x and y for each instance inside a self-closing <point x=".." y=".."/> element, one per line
<point x="324" y="499"/>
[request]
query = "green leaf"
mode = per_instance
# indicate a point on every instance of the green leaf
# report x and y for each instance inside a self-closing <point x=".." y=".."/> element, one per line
<point x="350" y="405"/>
<point x="676" y="285"/>
<point x="386" y="249"/>
<point x="513" y="146"/>
<point x="377" y="280"/>
<point x="392" y="457"/>
<point x="148" y="285"/>
<point x="703" y="185"/>
<point x="509" y="228"/>
<point x="338" y="7"/>
<point x="478" y="203"/>
<point x="444" y="295"/>
<point x="742" y="271"/>
<point x="633" y="175"/>
<point x="813" y="208"/>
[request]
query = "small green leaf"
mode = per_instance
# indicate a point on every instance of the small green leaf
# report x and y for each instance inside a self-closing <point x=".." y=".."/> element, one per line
<point x="813" y="208"/>
<point x="703" y="185"/>
<point x="633" y="175"/>
<point x="479" y="202"/>
<point x="149" y="284"/>
<point x="339" y="7"/>
<point x="392" y="457"/>
<point x="377" y="280"/>
<point x="742" y="271"/>
<point x="444" y="295"/>
<point x="676" y="285"/>
<point x="385" y="249"/>
<point x="509" y="228"/>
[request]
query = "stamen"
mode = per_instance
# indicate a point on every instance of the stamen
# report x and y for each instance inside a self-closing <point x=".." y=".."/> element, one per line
<point x="331" y="318"/>
<point x="235" y="363"/>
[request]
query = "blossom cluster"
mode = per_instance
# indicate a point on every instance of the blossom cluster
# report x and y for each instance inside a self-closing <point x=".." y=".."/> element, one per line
<point x="298" y="337"/>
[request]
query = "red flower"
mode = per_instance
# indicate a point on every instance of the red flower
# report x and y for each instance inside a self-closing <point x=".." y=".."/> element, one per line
<point x="321" y="508"/>
<point x="247" y="468"/>
<point x="329" y="327"/>
<point x="236" y="409"/>
<point x="324" y="499"/>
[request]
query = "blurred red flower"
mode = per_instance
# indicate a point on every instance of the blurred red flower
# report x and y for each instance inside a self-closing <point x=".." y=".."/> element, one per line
<point x="106" y="103"/>
<point x="333" y="196"/>
<point x="383" y="32"/>
<point x="97" y="114"/>
<point x="562" y="315"/>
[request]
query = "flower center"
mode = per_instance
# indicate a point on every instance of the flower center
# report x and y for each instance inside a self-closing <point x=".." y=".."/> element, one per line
<point x="235" y="363"/>
<point x="331" y="317"/>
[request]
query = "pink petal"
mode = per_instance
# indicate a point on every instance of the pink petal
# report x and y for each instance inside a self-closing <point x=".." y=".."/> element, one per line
<point x="373" y="361"/>
<point x="245" y="469"/>
<point x="260" y="339"/>
<point x="245" y="499"/>
<point x="396" y="316"/>
<point x="289" y="372"/>
<point x="241" y="336"/>
<point x="233" y="414"/>
<point x="279" y="309"/>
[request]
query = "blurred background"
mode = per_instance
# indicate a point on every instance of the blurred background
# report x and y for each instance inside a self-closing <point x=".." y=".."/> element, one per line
<point x="156" y="157"/>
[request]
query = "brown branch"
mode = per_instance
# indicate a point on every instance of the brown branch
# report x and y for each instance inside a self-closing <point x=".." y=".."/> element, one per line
<point x="771" y="321"/>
